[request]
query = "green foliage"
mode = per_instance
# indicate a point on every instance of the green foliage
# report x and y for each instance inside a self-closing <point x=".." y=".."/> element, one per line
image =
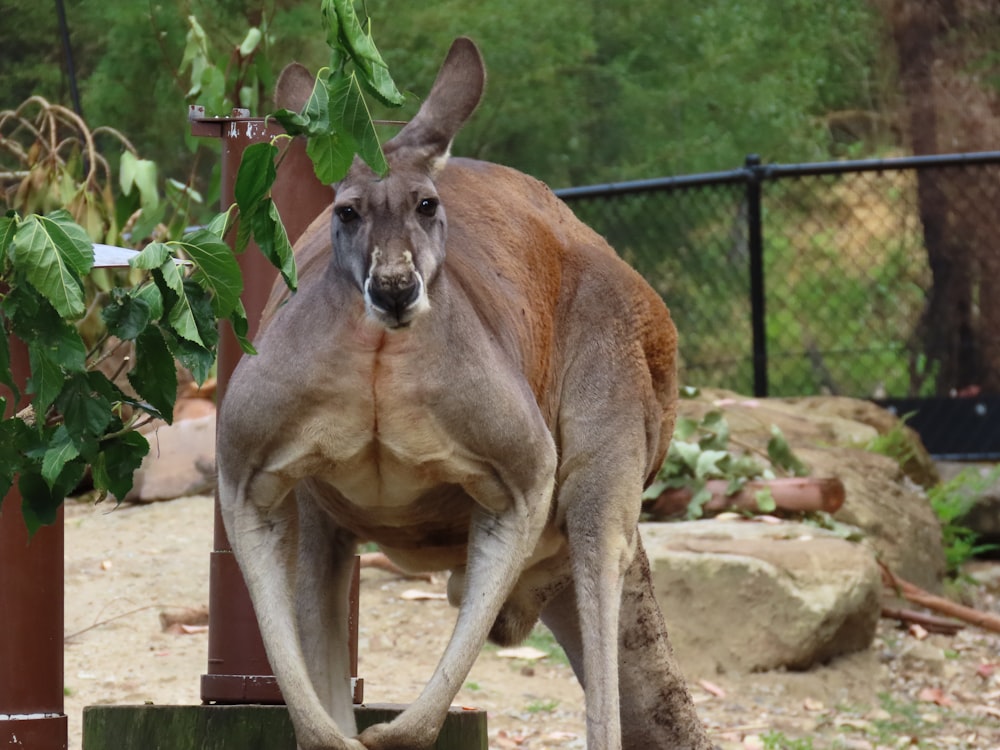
<point x="78" y="416"/>
<point x="778" y="741"/>
<point x="700" y="451"/>
<point x="896" y="443"/>
<point x="541" y="706"/>
<point x="951" y="502"/>
<point x="694" y="85"/>
<point x="259" y="216"/>
<point x="336" y="118"/>
<point x="542" y="639"/>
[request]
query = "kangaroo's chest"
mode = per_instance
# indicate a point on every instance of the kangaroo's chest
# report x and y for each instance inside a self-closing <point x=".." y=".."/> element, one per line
<point x="387" y="444"/>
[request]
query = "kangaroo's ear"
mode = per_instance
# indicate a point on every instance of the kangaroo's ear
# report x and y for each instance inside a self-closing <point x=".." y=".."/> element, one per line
<point x="453" y="98"/>
<point x="294" y="87"/>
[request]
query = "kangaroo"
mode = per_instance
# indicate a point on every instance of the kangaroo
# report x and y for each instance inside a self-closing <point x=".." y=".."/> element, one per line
<point x="470" y="377"/>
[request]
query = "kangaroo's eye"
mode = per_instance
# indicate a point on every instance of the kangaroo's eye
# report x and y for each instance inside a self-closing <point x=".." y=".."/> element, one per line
<point x="346" y="214"/>
<point x="427" y="207"/>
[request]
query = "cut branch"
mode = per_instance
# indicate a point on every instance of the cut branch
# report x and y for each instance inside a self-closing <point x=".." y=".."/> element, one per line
<point x="931" y="623"/>
<point x="916" y="595"/>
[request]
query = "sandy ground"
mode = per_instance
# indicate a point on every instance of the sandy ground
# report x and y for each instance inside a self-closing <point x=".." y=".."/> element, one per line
<point x="126" y="565"/>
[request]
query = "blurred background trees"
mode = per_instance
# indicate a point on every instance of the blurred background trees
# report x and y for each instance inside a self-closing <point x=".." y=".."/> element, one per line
<point x="580" y="91"/>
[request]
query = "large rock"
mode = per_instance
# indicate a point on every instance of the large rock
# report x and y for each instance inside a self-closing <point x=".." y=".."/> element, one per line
<point x="181" y="461"/>
<point x="830" y="434"/>
<point x="747" y="596"/>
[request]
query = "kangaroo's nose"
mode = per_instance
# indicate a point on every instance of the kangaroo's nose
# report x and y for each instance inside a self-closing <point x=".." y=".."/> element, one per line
<point x="394" y="294"/>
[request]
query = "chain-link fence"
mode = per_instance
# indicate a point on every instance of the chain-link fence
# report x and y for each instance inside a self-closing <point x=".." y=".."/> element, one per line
<point x="876" y="279"/>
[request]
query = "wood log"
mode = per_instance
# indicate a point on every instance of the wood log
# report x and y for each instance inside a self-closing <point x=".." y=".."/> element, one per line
<point x="791" y="495"/>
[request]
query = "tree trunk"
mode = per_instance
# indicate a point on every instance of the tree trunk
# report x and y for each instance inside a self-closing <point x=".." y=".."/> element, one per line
<point x="946" y="332"/>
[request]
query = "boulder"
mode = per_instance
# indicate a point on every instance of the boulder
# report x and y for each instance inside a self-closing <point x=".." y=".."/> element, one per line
<point x="893" y="512"/>
<point x="830" y="434"/>
<point x="181" y="461"/>
<point x="750" y="596"/>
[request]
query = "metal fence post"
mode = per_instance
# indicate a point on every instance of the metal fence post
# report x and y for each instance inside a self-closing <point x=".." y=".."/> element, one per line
<point x="755" y="242"/>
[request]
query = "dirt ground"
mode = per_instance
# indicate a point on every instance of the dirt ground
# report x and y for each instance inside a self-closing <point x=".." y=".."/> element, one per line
<point x="126" y="565"/>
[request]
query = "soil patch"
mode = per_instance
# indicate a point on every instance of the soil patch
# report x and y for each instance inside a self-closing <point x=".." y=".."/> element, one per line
<point x="126" y="565"/>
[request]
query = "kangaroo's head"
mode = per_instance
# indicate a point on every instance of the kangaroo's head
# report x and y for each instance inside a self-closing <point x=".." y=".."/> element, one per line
<point x="389" y="233"/>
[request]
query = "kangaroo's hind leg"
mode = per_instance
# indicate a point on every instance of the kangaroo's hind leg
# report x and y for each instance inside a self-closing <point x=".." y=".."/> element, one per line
<point x="655" y="707"/>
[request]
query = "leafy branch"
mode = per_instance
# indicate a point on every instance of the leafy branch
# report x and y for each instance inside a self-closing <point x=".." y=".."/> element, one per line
<point x="80" y="417"/>
<point x="700" y="451"/>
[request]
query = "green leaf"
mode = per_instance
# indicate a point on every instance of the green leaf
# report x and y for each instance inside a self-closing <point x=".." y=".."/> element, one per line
<point x="180" y="192"/>
<point x="273" y="241"/>
<point x="45" y="382"/>
<point x="62" y="449"/>
<point x="349" y="114"/>
<point x="317" y="109"/>
<point x="710" y="464"/>
<point x="241" y="329"/>
<point x="126" y="171"/>
<point x="332" y="156"/>
<point x="716" y="430"/>
<point x="699" y="497"/>
<point x="220" y="223"/>
<point x="6" y="376"/>
<point x="15" y="435"/>
<point x="8" y="226"/>
<point x="344" y="31"/>
<point x="39" y="504"/>
<point x="688" y="453"/>
<point x="151" y="295"/>
<point x="118" y="460"/>
<point x="293" y="123"/>
<point x="39" y="501"/>
<point x="154" y="255"/>
<point x="254" y="177"/>
<point x="179" y="313"/>
<point x="284" y="256"/>
<point x="154" y="375"/>
<point x="126" y="315"/>
<point x="250" y="42"/>
<point x="141" y="174"/>
<point x="85" y="412"/>
<point x="685" y="428"/>
<point x="654" y="490"/>
<point x="216" y="270"/>
<point x="197" y="359"/>
<point x="145" y="180"/>
<point x="57" y="339"/>
<point x="54" y="254"/>
<point x="54" y="345"/>
<point x="212" y="88"/>
<point x="781" y="454"/>
<point x="765" y="501"/>
<point x="200" y="303"/>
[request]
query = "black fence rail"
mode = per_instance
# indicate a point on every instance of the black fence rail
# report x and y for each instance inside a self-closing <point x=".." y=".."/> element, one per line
<point x="876" y="279"/>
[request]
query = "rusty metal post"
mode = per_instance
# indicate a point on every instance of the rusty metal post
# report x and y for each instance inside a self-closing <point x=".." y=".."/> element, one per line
<point x="31" y="624"/>
<point x="238" y="671"/>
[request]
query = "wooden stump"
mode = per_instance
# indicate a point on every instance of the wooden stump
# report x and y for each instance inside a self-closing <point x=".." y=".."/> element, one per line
<point x="243" y="727"/>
